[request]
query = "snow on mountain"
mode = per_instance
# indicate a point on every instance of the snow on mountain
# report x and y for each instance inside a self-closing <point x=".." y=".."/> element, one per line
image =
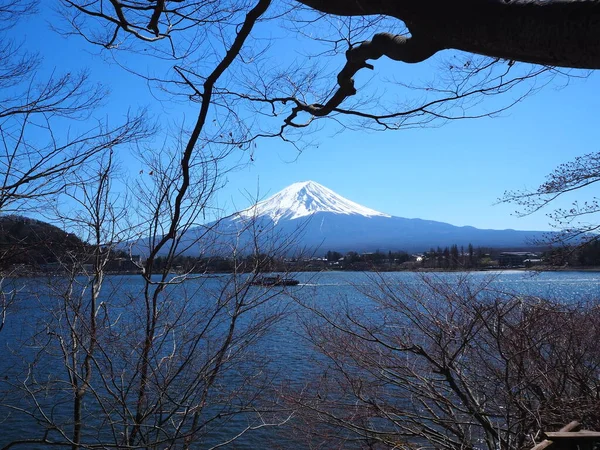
<point x="332" y="222"/>
<point x="304" y="199"/>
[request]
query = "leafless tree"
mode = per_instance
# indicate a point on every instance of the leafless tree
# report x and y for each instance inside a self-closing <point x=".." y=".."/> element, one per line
<point x="546" y="33"/>
<point x="449" y="363"/>
<point x="268" y="94"/>
<point x="35" y="158"/>
<point x="165" y="362"/>
<point x="162" y="359"/>
<point x="577" y="224"/>
<point x="217" y="326"/>
<point x="38" y="156"/>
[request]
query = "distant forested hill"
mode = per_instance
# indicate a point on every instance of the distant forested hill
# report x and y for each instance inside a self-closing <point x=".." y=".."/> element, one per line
<point x="33" y="242"/>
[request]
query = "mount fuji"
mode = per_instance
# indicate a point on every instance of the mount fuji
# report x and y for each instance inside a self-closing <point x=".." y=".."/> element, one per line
<point x="305" y="199"/>
<point x="309" y="217"/>
<point x="317" y="218"/>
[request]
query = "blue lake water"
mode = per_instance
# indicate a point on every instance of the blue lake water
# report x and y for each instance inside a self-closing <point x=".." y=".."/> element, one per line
<point x="284" y="350"/>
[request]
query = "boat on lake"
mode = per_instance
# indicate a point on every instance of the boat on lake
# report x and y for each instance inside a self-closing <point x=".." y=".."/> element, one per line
<point x="274" y="281"/>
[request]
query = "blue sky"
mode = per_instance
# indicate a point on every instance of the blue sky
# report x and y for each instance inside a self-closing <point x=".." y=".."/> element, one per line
<point x="454" y="173"/>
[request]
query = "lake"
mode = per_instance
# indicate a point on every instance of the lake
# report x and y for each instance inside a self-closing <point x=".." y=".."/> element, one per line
<point x="286" y="359"/>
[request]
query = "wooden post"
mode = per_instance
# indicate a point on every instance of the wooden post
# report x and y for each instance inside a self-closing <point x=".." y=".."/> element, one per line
<point x="573" y="426"/>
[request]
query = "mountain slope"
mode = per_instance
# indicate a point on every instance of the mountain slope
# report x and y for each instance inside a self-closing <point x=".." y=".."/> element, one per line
<point x="28" y="241"/>
<point x="310" y="216"/>
<point x="363" y="234"/>
<point x="317" y="217"/>
<point x="304" y="199"/>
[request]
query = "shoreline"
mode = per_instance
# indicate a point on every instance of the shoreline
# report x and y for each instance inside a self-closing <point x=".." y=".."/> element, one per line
<point x="326" y="269"/>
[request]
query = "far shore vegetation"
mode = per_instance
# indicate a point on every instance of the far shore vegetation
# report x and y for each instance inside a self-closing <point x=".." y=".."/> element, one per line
<point x="36" y="248"/>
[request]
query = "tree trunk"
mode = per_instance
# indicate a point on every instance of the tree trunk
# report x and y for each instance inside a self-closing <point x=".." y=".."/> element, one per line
<point x="553" y="32"/>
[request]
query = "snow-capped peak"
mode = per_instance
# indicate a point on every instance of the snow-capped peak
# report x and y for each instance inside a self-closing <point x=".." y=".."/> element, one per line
<point x="306" y="198"/>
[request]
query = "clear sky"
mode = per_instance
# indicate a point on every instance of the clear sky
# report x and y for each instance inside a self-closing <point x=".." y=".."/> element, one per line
<point x="454" y="173"/>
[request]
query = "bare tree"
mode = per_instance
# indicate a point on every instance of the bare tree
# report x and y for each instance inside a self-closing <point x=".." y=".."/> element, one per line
<point x="267" y="94"/>
<point x="448" y="363"/>
<point x="36" y="159"/>
<point x="166" y="361"/>
<point x="547" y="33"/>
<point x="576" y="224"/>
<point x="157" y="360"/>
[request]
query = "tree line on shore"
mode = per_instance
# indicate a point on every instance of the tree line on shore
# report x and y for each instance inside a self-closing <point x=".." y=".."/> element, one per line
<point x="456" y="257"/>
<point x="450" y="257"/>
<point x="39" y="247"/>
